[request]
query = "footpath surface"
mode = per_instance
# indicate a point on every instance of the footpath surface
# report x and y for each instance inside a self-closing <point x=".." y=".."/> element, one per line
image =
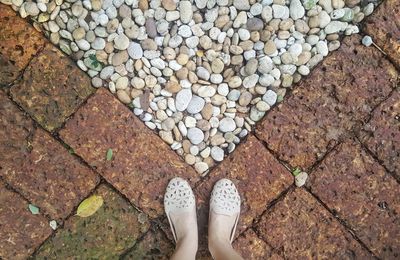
<point x="341" y="125"/>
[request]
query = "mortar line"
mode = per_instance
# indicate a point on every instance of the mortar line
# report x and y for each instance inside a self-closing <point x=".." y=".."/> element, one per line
<point x="342" y="223"/>
<point x="379" y="161"/>
<point x="18" y="191"/>
<point x="60" y="226"/>
<point x="8" y="86"/>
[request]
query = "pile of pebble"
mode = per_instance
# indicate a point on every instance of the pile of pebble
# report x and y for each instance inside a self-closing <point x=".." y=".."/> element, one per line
<point x="199" y="72"/>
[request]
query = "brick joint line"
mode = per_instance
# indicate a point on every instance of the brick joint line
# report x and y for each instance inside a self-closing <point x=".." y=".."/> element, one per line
<point x="342" y="223"/>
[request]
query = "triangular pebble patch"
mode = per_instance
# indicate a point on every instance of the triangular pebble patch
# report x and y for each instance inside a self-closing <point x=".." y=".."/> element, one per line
<point x="200" y="73"/>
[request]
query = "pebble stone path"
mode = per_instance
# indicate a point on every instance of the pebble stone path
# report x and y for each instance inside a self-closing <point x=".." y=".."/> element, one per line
<point x="201" y="73"/>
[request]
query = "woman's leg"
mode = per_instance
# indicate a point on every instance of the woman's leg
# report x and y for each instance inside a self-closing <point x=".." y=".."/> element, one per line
<point x="186" y="244"/>
<point x="219" y="235"/>
<point x="180" y="208"/>
<point x="223" y="218"/>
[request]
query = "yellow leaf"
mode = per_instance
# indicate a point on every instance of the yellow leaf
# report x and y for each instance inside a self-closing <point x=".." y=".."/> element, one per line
<point x="89" y="206"/>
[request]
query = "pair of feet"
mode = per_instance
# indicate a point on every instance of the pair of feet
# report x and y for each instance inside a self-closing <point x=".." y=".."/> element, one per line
<point x="180" y="208"/>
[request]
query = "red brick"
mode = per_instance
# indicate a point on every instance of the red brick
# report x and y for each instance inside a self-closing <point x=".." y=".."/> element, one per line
<point x="249" y="246"/>
<point x="20" y="231"/>
<point x="382" y="133"/>
<point x="384" y="27"/>
<point x="142" y="164"/>
<point x="302" y="229"/>
<point x="153" y="246"/>
<point x="108" y="233"/>
<point x="52" y="88"/>
<point x="259" y="177"/>
<point x="334" y="100"/>
<point x="39" y="167"/>
<point x="19" y="42"/>
<point x="363" y="194"/>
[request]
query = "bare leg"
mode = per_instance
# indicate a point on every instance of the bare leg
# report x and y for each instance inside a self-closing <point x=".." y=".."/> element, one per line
<point x="219" y="233"/>
<point x="186" y="245"/>
<point x="180" y="208"/>
<point x="224" y="251"/>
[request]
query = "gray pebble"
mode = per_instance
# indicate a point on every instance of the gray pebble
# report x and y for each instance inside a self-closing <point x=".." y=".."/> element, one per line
<point x="367" y="40"/>
<point x="195" y="135"/>
<point x="196" y="104"/>
<point x="183" y="99"/>
<point x="227" y="124"/>
<point x="217" y="153"/>
<point x="135" y="51"/>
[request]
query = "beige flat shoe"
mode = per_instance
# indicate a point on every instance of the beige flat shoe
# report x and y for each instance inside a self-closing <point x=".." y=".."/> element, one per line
<point x="225" y="200"/>
<point x="179" y="198"/>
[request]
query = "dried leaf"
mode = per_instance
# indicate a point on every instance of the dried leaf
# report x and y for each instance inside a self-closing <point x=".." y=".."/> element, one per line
<point x="34" y="210"/>
<point x="109" y="154"/>
<point x="89" y="206"/>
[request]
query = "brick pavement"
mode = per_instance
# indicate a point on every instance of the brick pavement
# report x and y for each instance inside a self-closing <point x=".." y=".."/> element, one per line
<point x="341" y="124"/>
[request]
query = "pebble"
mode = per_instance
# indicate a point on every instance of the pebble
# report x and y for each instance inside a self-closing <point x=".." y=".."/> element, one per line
<point x="217" y="153"/>
<point x="135" y="51"/>
<point x="335" y="26"/>
<point x="31" y="8"/>
<point x="120" y="58"/>
<point x="256" y="9"/>
<point x="183" y="99"/>
<point x="234" y="95"/>
<point x="97" y="82"/>
<point x="201" y="167"/>
<point x="300" y="179"/>
<point x="186" y="12"/>
<point x="166" y="136"/>
<point x="245" y="99"/>
<point x="241" y="4"/>
<point x="196" y="104"/>
<point x="203" y="73"/>
<point x="122" y="83"/>
<point x="98" y="44"/>
<point x="78" y="33"/>
<point x="367" y="41"/>
<point x="195" y="135"/>
<point x="280" y="11"/>
<point x="169" y="5"/>
<point x="151" y="28"/>
<point x="244" y="34"/>
<point x="123" y="96"/>
<point x="121" y="42"/>
<point x="217" y="66"/>
<point x="296" y="9"/>
<point x="322" y="48"/>
<point x="324" y="19"/>
<point x="240" y="20"/>
<point x="83" y="44"/>
<point x="255" y="24"/>
<point x="227" y="124"/>
<point x="250" y="81"/>
<point x="168" y="124"/>
<point x="255" y="114"/>
<point x="265" y="65"/>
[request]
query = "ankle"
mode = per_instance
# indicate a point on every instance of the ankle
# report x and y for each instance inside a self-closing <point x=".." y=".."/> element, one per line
<point x="216" y="242"/>
<point x="188" y="242"/>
